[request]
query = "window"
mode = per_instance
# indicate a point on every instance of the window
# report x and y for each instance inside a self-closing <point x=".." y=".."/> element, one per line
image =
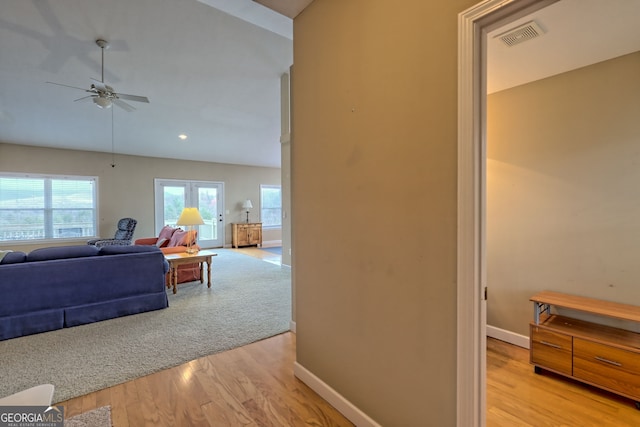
<point x="38" y="207"/>
<point x="271" y="206"/>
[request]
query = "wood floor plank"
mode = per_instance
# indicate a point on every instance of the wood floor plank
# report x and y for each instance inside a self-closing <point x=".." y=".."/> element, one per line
<point x="239" y="383"/>
<point x="119" y="415"/>
<point x="103" y="398"/>
<point x="292" y="396"/>
<point x="88" y="401"/>
<point x="160" y="387"/>
<point x="518" y="396"/>
<point x="223" y="405"/>
<point x="148" y="408"/>
<point x="73" y="407"/>
<point x="134" y="407"/>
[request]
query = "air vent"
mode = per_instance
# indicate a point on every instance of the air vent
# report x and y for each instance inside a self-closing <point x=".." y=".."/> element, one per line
<point x="521" y="33"/>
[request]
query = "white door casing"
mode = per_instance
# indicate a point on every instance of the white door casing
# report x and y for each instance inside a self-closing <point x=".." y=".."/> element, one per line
<point x="473" y="25"/>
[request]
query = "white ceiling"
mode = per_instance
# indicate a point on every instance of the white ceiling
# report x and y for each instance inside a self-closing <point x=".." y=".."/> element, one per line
<point x="577" y="33"/>
<point x="214" y="76"/>
<point x="207" y="74"/>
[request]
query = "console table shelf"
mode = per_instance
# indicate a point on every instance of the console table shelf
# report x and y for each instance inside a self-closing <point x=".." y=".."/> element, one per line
<point x="600" y="355"/>
<point x="591" y="305"/>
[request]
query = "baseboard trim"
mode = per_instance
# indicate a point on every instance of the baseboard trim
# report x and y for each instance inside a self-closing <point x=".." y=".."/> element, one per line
<point x="508" y="336"/>
<point x="335" y="399"/>
<point x="292" y="326"/>
<point x="271" y="243"/>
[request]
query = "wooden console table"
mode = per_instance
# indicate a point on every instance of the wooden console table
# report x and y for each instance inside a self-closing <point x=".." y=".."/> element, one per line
<point x="595" y="354"/>
<point x="246" y="234"/>
<point x="181" y="258"/>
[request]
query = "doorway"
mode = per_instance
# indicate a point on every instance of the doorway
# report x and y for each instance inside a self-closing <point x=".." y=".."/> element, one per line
<point x="171" y="196"/>
<point x="473" y="26"/>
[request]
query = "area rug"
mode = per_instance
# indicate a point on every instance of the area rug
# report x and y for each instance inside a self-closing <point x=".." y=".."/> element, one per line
<point x="100" y="417"/>
<point x="249" y="300"/>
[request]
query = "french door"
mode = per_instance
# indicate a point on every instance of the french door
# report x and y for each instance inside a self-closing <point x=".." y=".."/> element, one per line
<point x="171" y="196"/>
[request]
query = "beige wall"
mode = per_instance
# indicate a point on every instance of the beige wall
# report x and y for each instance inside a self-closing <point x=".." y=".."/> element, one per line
<point x="563" y="193"/>
<point x="127" y="189"/>
<point x="373" y="178"/>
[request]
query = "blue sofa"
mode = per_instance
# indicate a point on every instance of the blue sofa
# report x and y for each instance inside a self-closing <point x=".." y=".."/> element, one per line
<point x="59" y="287"/>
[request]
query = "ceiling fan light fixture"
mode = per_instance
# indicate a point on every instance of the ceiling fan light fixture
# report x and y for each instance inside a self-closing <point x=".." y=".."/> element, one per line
<point x="102" y="102"/>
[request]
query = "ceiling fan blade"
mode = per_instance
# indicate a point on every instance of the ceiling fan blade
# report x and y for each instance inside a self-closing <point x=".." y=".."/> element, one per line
<point x="137" y="98"/>
<point x="72" y="87"/>
<point x="83" y="98"/>
<point x="123" y="105"/>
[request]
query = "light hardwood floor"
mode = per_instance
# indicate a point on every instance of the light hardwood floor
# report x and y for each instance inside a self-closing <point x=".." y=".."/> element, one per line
<point x="252" y="385"/>
<point x="516" y="396"/>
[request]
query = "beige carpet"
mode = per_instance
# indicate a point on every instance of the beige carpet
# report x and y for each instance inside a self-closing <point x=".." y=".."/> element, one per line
<point x="249" y="300"/>
<point x="100" y="417"/>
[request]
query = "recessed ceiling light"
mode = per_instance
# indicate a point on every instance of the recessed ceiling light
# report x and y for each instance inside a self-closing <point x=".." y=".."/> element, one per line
<point x="182" y="136"/>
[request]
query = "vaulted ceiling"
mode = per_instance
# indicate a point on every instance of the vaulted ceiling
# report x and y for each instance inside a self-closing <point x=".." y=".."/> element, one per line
<point x="207" y="74"/>
<point x="211" y="70"/>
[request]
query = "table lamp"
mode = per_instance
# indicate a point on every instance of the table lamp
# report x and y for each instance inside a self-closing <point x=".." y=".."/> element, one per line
<point x="247" y="205"/>
<point x="190" y="217"/>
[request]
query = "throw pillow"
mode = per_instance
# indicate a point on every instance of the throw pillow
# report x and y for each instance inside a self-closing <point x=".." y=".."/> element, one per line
<point x="13" y="257"/>
<point x="177" y="238"/>
<point x="62" y="252"/>
<point x="166" y="232"/>
<point x="161" y="242"/>
<point x="3" y="253"/>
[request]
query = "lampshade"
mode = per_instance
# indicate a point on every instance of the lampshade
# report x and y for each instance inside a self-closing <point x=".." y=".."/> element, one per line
<point x="247" y="204"/>
<point x="190" y="216"/>
<point x="102" y="102"/>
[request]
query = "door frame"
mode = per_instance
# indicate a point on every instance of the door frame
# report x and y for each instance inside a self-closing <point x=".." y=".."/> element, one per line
<point x="473" y="25"/>
<point x="191" y="189"/>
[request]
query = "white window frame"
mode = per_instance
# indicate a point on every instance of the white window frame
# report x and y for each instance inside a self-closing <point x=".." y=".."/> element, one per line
<point x="48" y="209"/>
<point x="262" y="216"/>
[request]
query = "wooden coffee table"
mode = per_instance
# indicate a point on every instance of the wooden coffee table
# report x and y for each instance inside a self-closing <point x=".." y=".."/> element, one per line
<point x="181" y="258"/>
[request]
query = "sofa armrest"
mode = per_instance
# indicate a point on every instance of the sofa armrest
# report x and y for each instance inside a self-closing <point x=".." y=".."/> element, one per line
<point x="146" y="241"/>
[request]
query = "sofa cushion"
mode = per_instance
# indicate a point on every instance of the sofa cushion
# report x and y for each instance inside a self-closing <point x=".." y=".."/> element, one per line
<point x="62" y="252"/>
<point x="133" y="249"/>
<point x="13" y="257"/>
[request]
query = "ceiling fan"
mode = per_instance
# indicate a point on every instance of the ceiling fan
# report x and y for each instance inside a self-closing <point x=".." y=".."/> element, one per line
<point x="104" y="95"/>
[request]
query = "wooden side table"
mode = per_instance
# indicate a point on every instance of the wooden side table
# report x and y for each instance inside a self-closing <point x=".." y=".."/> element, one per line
<point x="181" y="258"/>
